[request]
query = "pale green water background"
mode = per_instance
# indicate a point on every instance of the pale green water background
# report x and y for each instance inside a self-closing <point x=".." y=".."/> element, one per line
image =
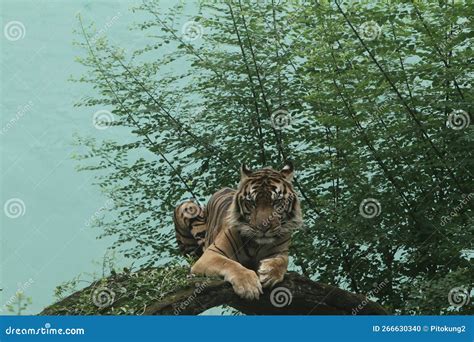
<point x="49" y="243"/>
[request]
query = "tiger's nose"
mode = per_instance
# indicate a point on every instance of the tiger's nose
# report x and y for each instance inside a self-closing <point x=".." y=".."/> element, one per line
<point x="264" y="227"/>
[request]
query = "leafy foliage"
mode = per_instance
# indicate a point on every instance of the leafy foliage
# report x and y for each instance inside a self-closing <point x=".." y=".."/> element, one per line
<point x="124" y="293"/>
<point x="361" y="97"/>
<point x="19" y="304"/>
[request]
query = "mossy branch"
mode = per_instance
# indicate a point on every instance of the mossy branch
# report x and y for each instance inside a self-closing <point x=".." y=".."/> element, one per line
<point x="156" y="292"/>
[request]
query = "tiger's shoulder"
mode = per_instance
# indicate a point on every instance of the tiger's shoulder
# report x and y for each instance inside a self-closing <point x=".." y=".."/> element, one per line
<point x="216" y="213"/>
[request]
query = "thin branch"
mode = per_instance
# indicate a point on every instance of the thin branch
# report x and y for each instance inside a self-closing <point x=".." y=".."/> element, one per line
<point x="411" y="111"/>
<point x="252" y="89"/>
<point x="372" y="148"/>
<point x="131" y="118"/>
<point x="282" y="153"/>
<point x="195" y="53"/>
<point x="437" y="49"/>
<point x="211" y="149"/>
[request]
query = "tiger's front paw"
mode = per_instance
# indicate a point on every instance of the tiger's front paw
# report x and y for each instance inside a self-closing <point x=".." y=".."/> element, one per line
<point x="271" y="272"/>
<point x="246" y="284"/>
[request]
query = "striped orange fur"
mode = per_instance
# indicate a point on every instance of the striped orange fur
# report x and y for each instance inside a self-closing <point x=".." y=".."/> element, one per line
<point x="248" y="230"/>
<point x="190" y="227"/>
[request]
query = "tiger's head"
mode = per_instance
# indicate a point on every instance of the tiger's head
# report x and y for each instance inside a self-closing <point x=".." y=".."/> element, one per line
<point x="265" y="205"/>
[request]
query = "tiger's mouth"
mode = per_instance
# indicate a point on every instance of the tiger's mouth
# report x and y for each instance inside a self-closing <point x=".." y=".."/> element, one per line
<point x="264" y="240"/>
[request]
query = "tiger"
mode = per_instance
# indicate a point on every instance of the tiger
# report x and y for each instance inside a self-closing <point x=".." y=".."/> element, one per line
<point x="248" y="231"/>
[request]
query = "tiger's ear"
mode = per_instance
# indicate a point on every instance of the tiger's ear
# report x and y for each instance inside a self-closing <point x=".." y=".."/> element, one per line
<point x="288" y="171"/>
<point x="245" y="172"/>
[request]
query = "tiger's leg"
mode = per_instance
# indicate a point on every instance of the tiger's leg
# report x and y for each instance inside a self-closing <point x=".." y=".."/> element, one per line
<point x="190" y="227"/>
<point x="274" y="262"/>
<point x="272" y="270"/>
<point x="218" y="260"/>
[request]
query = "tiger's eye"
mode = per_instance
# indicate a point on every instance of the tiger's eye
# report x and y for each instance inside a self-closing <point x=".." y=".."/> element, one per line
<point x="278" y="198"/>
<point x="249" y="200"/>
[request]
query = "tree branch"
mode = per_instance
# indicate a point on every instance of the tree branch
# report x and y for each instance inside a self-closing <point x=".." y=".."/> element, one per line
<point x="199" y="294"/>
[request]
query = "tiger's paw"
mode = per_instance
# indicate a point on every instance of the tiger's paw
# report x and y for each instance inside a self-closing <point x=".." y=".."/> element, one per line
<point x="270" y="272"/>
<point x="246" y="284"/>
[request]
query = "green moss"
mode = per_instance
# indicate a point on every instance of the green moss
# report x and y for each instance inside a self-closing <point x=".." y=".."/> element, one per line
<point x="125" y="293"/>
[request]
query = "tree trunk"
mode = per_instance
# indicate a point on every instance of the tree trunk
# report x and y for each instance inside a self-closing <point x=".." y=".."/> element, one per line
<point x="296" y="295"/>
